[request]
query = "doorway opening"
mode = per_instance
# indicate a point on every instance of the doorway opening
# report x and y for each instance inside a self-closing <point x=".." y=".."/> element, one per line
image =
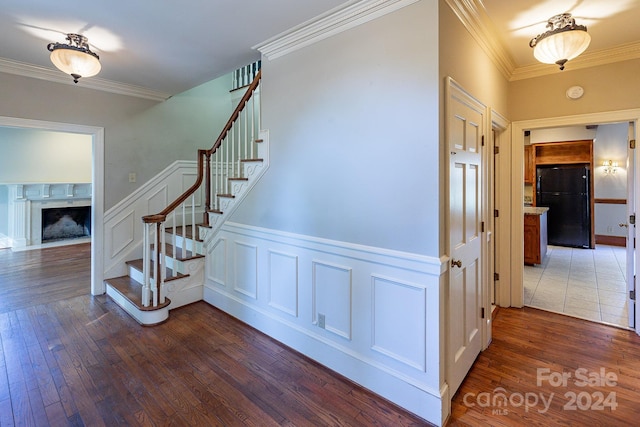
<point x="585" y="280"/>
<point x="97" y="180"/>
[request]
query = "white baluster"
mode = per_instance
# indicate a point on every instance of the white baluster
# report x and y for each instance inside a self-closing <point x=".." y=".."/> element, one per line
<point x="246" y="131"/>
<point x="146" y="263"/>
<point x="184" y="231"/>
<point x="193" y="224"/>
<point x="233" y="150"/>
<point x="159" y="298"/>
<point x="253" y="123"/>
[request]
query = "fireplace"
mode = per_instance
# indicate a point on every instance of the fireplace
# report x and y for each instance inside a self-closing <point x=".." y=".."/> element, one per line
<point x="49" y="213"/>
<point x="66" y="223"/>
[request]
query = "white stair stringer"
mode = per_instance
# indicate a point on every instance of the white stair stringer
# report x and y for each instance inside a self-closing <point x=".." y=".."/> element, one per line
<point x="189" y="289"/>
<point x="251" y="170"/>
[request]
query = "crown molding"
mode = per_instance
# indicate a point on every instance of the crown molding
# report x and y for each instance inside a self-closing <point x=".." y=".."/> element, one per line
<point x="34" y="71"/>
<point x="586" y="60"/>
<point x="475" y="19"/>
<point x="333" y="22"/>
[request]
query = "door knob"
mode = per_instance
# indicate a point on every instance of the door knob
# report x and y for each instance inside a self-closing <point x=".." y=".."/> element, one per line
<point x="623" y="225"/>
<point x="456" y="263"/>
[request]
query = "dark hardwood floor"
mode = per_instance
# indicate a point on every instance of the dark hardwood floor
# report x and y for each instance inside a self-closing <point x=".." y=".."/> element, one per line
<point x="571" y="372"/>
<point x="33" y="277"/>
<point x="70" y="359"/>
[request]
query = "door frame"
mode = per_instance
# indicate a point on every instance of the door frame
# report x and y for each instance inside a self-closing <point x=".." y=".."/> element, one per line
<point x="97" y="185"/>
<point x="515" y="252"/>
<point x="495" y="198"/>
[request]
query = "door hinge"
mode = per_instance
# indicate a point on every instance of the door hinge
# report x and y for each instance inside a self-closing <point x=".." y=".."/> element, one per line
<point x="632" y="144"/>
<point x="482" y="312"/>
<point x="632" y="219"/>
<point x="483" y="140"/>
<point x="496" y="150"/>
<point x="496" y="213"/>
<point x="496" y="276"/>
<point x="482" y="227"/>
<point x="632" y="295"/>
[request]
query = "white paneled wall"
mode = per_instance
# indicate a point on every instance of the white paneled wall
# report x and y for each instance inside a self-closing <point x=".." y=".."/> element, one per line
<point x="364" y="312"/>
<point x="123" y="222"/>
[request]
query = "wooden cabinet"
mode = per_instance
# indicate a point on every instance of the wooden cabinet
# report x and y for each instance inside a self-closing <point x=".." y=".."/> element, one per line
<point x="535" y="237"/>
<point x="529" y="165"/>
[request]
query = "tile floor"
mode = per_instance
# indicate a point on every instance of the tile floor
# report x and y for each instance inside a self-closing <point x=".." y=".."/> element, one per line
<point x="585" y="283"/>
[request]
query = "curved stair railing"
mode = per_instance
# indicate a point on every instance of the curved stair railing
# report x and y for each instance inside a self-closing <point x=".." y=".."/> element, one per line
<point x="217" y="167"/>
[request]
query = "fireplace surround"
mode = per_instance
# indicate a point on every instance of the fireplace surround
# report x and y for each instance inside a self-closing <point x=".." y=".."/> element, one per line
<point x="65" y="208"/>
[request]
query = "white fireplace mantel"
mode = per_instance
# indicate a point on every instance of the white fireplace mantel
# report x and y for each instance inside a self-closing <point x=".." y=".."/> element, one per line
<point x="26" y="202"/>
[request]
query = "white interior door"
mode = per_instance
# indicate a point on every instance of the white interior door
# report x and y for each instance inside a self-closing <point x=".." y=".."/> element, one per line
<point x="465" y="126"/>
<point x="631" y="229"/>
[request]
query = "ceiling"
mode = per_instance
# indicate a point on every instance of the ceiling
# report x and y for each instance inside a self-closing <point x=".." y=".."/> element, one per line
<point x="169" y="47"/>
<point x="611" y="23"/>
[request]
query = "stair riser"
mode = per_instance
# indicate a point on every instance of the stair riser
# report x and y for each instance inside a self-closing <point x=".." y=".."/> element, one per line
<point x="187" y="243"/>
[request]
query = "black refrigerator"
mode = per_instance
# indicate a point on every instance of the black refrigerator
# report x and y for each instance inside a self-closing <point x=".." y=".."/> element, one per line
<point x="565" y="190"/>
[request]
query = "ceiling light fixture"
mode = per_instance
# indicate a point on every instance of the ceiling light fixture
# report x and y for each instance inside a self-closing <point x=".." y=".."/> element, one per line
<point x="75" y="58"/>
<point x="562" y="42"/>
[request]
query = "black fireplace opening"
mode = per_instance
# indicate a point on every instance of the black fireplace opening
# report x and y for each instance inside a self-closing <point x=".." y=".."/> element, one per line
<point x="66" y="223"/>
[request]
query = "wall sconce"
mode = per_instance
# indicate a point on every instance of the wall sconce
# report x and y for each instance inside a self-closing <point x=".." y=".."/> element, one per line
<point x="610" y="167"/>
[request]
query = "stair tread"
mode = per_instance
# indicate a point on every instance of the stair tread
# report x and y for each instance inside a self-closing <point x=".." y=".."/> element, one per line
<point x="138" y="264"/>
<point x="132" y="290"/>
<point x="188" y="231"/>
<point x="251" y="160"/>
<point x="187" y="255"/>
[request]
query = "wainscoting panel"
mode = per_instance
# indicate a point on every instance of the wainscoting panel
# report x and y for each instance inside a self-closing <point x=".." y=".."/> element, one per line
<point x="188" y="179"/>
<point x="150" y="198"/>
<point x="332" y="298"/>
<point x="371" y="314"/>
<point x="216" y="268"/>
<point x="398" y="329"/>
<point x="283" y="282"/>
<point x="245" y="271"/>
<point x="158" y="200"/>
<point x="122" y="233"/>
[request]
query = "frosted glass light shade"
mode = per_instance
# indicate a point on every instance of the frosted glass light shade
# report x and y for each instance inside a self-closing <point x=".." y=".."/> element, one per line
<point x="75" y="58"/>
<point x="560" y="46"/>
<point x="75" y="62"/>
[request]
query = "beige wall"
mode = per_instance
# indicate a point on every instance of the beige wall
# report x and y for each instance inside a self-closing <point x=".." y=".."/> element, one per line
<point x="610" y="87"/>
<point x="462" y="58"/>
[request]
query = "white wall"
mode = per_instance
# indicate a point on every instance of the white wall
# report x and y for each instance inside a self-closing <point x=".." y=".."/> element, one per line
<point x="610" y="144"/>
<point x="30" y="155"/>
<point x="354" y="131"/>
<point x="141" y="136"/>
<point x="345" y="222"/>
<point x="4" y="210"/>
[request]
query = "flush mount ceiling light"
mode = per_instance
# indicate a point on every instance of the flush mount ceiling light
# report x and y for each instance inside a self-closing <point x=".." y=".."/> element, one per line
<point x="75" y="58"/>
<point x="562" y="42"/>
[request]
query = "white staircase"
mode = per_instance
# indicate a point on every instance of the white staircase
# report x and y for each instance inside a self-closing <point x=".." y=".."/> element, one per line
<point x="174" y="240"/>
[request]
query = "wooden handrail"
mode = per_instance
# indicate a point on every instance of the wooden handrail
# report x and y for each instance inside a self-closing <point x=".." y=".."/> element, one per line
<point x="236" y="112"/>
<point x="205" y="155"/>
<point x="160" y="217"/>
